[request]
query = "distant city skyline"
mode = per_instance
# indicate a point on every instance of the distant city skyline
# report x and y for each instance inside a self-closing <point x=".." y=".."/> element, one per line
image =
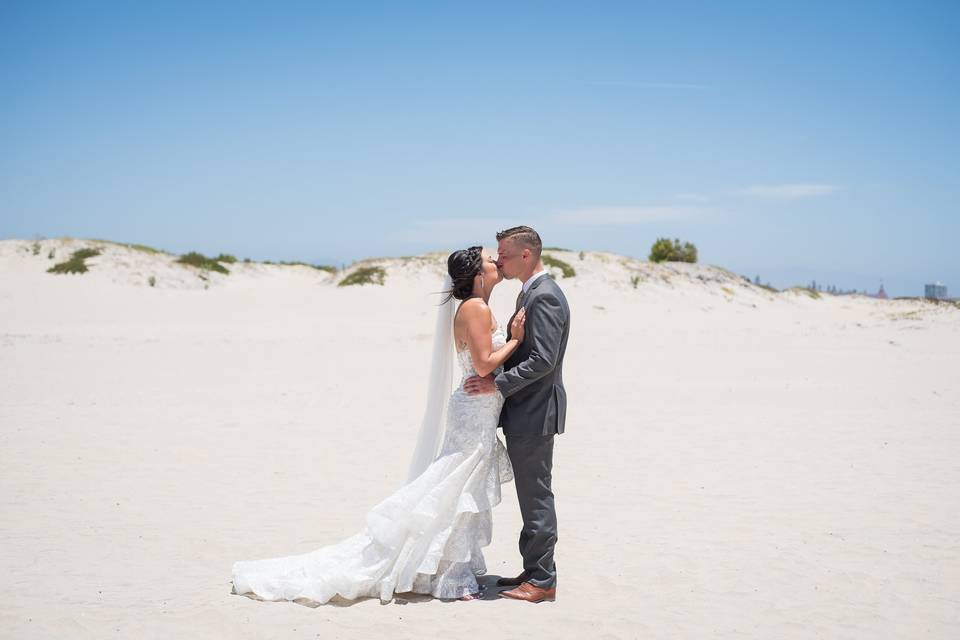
<point x="797" y="142"/>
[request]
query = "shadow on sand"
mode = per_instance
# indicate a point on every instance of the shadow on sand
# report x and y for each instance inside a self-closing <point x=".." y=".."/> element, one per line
<point x="488" y="591"/>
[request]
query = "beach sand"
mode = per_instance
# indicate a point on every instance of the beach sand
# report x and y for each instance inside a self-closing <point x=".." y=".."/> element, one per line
<point x="737" y="463"/>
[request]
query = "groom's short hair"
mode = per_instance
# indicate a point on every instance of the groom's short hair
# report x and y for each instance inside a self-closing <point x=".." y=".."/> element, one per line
<point x="524" y="236"/>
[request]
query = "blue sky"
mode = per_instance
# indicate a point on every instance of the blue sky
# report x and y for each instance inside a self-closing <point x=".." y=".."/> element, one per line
<point x="790" y="140"/>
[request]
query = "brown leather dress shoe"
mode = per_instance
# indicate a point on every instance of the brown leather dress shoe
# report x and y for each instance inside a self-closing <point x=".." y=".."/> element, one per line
<point x="530" y="593"/>
<point x="513" y="582"/>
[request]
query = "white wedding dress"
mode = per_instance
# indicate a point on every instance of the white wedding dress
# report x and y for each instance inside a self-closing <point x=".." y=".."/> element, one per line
<point x="426" y="537"/>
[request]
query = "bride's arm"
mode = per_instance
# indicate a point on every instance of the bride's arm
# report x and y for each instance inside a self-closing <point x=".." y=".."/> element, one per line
<point x="477" y="317"/>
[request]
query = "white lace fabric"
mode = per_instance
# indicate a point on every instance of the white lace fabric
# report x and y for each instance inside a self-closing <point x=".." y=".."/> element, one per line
<point x="424" y="538"/>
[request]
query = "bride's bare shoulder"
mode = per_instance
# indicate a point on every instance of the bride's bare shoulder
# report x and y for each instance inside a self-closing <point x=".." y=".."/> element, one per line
<point x="474" y="305"/>
<point x="474" y="310"/>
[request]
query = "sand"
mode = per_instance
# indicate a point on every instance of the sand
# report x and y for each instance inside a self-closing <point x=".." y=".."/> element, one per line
<point x="737" y="463"/>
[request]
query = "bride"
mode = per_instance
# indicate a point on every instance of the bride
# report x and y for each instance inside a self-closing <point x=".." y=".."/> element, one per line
<point x="427" y="536"/>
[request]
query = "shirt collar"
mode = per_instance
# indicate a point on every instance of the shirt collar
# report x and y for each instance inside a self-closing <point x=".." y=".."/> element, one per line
<point x="530" y="280"/>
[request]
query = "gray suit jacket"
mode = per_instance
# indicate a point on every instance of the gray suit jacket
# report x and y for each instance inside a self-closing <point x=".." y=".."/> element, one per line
<point x="532" y="380"/>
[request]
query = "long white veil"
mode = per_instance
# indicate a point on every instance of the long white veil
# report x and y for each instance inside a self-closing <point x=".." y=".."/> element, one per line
<point x="440" y="386"/>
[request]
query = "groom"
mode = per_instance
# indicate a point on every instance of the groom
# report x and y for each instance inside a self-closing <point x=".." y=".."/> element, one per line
<point x="534" y="408"/>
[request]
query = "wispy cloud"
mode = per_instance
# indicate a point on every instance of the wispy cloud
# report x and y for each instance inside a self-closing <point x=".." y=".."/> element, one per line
<point x="797" y="190"/>
<point x="453" y="231"/>
<point x="607" y="216"/>
<point x="692" y="197"/>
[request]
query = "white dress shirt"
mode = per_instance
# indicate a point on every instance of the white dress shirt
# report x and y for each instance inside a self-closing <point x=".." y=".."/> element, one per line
<point x="529" y="282"/>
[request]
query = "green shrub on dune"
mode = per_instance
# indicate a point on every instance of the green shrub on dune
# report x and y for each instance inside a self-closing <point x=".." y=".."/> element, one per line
<point x="225" y="257"/>
<point x="298" y="263"/>
<point x="364" y="275"/>
<point x="201" y="261"/>
<point x="129" y="245"/>
<point x="318" y="267"/>
<point x="663" y="250"/>
<point x="76" y="262"/>
<point x="807" y="290"/>
<point x="550" y="261"/>
<point x="144" y="248"/>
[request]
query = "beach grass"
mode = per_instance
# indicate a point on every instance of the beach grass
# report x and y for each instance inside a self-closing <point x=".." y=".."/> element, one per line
<point x="806" y="290"/>
<point x="550" y="261"/>
<point x="364" y="275"/>
<point x="76" y="263"/>
<point x="145" y="248"/>
<point x="195" y="259"/>
<point x="130" y="245"/>
<point x="295" y="263"/>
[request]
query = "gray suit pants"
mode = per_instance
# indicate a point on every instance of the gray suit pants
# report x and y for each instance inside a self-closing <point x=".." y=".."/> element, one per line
<point x="532" y="460"/>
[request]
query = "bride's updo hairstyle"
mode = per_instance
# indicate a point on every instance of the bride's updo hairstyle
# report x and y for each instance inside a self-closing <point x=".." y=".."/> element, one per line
<point x="463" y="266"/>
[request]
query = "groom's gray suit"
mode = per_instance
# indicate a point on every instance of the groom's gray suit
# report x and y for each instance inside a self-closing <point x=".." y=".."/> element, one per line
<point x="535" y="409"/>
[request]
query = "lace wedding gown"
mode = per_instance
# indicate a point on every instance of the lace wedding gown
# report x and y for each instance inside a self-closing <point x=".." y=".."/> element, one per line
<point x="426" y="537"/>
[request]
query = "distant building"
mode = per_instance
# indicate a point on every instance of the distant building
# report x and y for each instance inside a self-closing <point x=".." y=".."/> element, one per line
<point x="882" y="294"/>
<point x="936" y="291"/>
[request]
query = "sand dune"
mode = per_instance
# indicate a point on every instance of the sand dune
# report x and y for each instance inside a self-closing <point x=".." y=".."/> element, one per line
<point x="737" y="463"/>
